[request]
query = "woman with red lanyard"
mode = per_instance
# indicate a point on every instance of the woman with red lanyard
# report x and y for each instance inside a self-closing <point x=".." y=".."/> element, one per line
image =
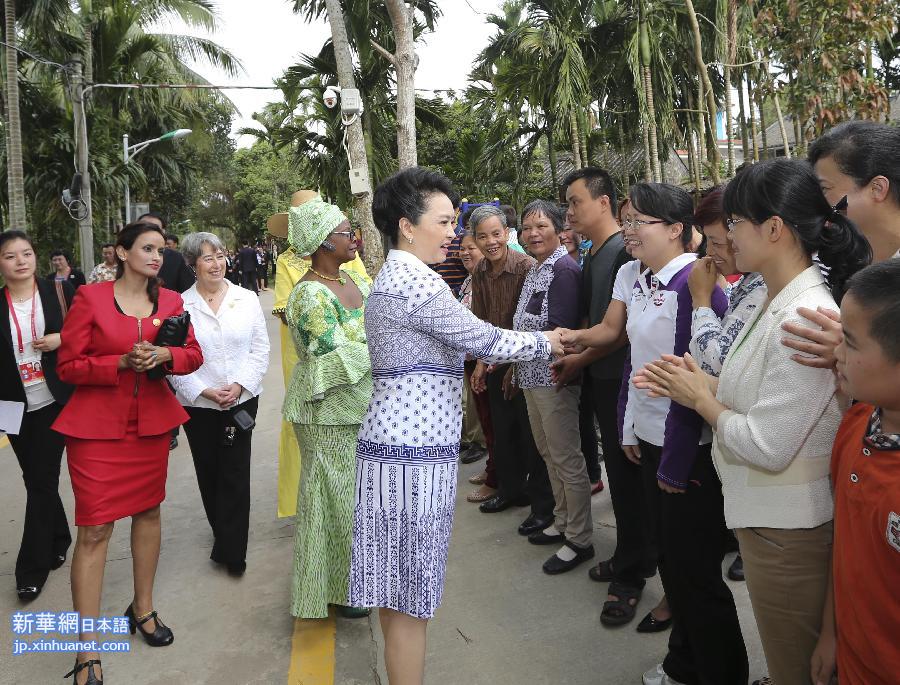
<point x="31" y="315"/>
<point x="117" y="427"/>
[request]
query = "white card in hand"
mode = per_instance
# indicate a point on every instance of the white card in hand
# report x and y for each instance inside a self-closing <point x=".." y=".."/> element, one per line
<point x="11" y="416"/>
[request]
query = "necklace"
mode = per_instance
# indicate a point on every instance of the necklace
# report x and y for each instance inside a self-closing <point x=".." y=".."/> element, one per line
<point x="215" y="294"/>
<point x="339" y="279"/>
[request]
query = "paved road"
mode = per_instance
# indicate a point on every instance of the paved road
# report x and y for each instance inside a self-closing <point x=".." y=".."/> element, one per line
<point x="503" y="620"/>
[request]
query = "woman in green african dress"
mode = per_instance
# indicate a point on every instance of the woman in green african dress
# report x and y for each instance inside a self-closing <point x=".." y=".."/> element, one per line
<point x="326" y="400"/>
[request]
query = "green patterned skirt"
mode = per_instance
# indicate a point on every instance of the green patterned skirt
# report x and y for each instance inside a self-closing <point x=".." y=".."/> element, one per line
<point x="323" y="530"/>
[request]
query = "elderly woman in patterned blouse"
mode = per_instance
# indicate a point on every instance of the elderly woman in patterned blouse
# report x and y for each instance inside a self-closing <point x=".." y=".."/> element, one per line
<point x="549" y="299"/>
<point x="326" y="400"/>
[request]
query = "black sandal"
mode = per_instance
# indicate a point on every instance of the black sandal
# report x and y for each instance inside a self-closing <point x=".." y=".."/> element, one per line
<point x="91" y="678"/>
<point x="618" y="612"/>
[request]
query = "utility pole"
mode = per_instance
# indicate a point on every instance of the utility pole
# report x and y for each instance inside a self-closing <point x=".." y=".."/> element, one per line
<point x="85" y="224"/>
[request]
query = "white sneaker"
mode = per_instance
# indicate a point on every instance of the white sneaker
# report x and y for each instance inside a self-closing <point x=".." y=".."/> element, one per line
<point x="657" y="676"/>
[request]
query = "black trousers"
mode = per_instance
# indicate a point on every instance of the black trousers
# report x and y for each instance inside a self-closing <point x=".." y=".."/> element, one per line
<point x="223" y="474"/>
<point x="248" y="280"/>
<point x="635" y="554"/>
<point x="588" y="432"/>
<point x="520" y="468"/>
<point x="706" y="646"/>
<point x="46" y="532"/>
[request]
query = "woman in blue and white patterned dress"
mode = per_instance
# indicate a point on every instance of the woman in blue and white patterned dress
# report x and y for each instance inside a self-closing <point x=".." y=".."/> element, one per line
<point x="406" y="460"/>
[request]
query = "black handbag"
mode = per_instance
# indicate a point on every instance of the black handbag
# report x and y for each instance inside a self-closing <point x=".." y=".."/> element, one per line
<point x="172" y="333"/>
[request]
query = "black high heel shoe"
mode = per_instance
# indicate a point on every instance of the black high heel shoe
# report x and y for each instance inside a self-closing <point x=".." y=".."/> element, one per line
<point x="161" y="637"/>
<point x="89" y="665"/>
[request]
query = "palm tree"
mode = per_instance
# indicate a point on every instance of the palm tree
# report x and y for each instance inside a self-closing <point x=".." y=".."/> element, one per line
<point x="15" y="176"/>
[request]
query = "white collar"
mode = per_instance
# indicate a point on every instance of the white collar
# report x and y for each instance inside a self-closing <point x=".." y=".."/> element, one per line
<point x="410" y="259"/>
<point x="192" y="296"/>
<point x="669" y="270"/>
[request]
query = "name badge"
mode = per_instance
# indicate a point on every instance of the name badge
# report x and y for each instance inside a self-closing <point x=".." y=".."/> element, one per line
<point x="31" y="371"/>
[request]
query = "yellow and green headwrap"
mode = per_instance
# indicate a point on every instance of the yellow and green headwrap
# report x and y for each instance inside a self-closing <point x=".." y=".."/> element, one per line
<point x="311" y="223"/>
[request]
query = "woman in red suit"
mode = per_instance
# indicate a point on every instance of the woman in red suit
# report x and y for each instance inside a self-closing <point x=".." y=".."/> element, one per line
<point x="118" y="424"/>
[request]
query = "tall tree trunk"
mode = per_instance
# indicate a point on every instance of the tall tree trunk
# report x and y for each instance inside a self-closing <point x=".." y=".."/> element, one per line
<point x="742" y="118"/>
<point x="87" y="23"/>
<point x="701" y="127"/>
<point x="647" y="83"/>
<point x="777" y="101"/>
<point x="356" y="144"/>
<point x="585" y="124"/>
<point x="551" y="156"/>
<point x="648" y="160"/>
<point x="763" y="132"/>
<point x="576" y="140"/>
<point x="730" y="58"/>
<point x="753" y="128"/>
<point x="15" y="176"/>
<point x="715" y="157"/>
<point x="401" y="16"/>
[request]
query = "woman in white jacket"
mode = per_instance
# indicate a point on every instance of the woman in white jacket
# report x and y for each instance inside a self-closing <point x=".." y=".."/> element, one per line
<point x="775" y="419"/>
<point x="231" y="329"/>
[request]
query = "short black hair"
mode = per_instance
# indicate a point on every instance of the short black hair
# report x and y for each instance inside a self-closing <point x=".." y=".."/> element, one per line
<point x="105" y="245"/>
<point x="668" y="202"/>
<point x="512" y="217"/>
<point x="466" y="215"/>
<point x="152" y="215"/>
<point x="875" y="289"/>
<point x="15" y="234"/>
<point x="172" y="237"/>
<point x="550" y="210"/>
<point x="598" y="182"/>
<point x="61" y="253"/>
<point x="862" y="150"/>
<point x="406" y="195"/>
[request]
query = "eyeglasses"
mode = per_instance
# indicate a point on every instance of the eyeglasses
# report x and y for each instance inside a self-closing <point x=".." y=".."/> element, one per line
<point x="637" y="223"/>
<point x="731" y="223"/>
<point x="350" y="235"/>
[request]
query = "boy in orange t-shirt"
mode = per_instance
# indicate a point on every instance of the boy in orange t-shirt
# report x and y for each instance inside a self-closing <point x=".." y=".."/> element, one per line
<point x="865" y="473"/>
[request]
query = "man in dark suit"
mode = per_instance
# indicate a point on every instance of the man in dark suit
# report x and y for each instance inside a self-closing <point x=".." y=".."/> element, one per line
<point x="246" y="259"/>
<point x="174" y="272"/>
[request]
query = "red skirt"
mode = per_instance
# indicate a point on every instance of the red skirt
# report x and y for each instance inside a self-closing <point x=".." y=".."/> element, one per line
<point x="113" y="479"/>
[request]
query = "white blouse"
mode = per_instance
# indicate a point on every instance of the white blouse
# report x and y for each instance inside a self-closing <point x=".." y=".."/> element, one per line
<point x="37" y="395"/>
<point x="235" y="346"/>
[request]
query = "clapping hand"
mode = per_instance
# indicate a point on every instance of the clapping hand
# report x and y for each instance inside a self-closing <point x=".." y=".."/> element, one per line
<point x="681" y="381"/>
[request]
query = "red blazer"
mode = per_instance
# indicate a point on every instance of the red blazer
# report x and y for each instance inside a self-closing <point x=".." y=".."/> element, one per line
<point x="95" y="335"/>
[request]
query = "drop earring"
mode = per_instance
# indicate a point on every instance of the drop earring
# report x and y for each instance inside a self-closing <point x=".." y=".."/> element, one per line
<point x="410" y="240"/>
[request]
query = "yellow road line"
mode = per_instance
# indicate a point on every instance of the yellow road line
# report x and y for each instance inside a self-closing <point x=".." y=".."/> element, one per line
<point x="4" y="441"/>
<point x="312" y="652"/>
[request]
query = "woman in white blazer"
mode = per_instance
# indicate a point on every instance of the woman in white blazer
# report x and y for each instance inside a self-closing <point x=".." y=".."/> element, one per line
<point x="775" y="419"/>
<point x="231" y="329"/>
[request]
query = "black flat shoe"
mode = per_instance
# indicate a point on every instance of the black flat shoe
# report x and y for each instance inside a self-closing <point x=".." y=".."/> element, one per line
<point x="554" y="565"/>
<point x="534" y="524"/>
<point x="161" y="637"/>
<point x="28" y="592"/>
<point x="541" y="538"/>
<point x="471" y="455"/>
<point x="650" y="624"/>
<point x="236" y="568"/>
<point x="499" y="503"/>
<point x="736" y="570"/>
<point x="58" y="561"/>
<point x="89" y="665"/>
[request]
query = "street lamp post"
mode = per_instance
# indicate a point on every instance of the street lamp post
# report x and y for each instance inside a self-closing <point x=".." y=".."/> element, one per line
<point x="130" y="151"/>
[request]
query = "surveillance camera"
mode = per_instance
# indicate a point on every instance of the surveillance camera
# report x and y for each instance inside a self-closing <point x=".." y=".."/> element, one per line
<point x="330" y="97"/>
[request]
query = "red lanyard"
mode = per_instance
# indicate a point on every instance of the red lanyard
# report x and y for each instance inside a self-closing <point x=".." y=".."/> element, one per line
<point x="12" y="311"/>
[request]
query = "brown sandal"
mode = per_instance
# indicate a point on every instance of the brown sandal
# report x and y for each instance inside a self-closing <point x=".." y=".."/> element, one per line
<point x="481" y="494"/>
<point x="478" y="478"/>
